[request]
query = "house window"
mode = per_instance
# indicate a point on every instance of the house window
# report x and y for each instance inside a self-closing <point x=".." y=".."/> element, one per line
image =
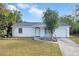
<point x="20" y="30"/>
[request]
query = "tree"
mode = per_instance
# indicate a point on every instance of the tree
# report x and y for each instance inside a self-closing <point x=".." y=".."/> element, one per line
<point x="76" y="12"/>
<point x="3" y="10"/>
<point x="76" y="16"/>
<point x="3" y="13"/>
<point x="69" y="19"/>
<point x="13" y="17"/>
<point x="7" y="19"/>
<point x="50" y="18"/>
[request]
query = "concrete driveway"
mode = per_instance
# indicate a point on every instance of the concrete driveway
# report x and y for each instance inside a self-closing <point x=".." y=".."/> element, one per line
<point x="68" y="47"/>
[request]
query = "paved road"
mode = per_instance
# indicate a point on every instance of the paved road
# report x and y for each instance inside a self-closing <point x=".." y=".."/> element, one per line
<point x="68" y="47"/>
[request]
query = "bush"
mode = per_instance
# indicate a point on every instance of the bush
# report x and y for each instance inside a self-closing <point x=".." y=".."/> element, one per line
<point x="2" y="33"/>
<point x="76" y="29"/>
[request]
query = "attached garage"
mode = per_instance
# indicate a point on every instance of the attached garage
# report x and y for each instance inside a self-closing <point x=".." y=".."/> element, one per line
<point x="62" y="31"/>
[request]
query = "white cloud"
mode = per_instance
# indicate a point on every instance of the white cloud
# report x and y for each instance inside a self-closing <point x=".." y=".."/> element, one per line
<point x="12" y="7"/>
<point x="32" y="8"/>
<point x="23" y="5"/>
<point x="36" y="11"/>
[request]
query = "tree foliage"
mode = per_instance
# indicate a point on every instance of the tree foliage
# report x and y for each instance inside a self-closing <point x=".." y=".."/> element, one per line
<point x="7" y="19"/>
<point x="74" y="25"/>
<point x="76" y="12"/>
<point x="12" y="18"/>
<point x="68" y="19"/>
<point x="50" y="18"/>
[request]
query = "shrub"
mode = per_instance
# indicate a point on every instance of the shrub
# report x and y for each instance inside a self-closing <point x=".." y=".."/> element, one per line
<point x="2" y="33"/>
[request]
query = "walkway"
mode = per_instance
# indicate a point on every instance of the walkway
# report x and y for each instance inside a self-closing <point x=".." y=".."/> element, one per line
<point x="68" y="47"/>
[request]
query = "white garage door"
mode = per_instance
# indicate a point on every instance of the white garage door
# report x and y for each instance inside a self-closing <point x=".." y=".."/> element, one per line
<point x="61" y="32"/>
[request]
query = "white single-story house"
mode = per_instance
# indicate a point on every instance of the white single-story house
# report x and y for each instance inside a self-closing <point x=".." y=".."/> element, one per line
<point x="32" y="29"/>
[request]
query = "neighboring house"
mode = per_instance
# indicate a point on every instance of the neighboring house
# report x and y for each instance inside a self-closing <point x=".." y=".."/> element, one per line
<point x="32" y="29"/>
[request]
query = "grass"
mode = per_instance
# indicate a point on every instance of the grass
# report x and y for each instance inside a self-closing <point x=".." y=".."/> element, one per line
<point x="28" y="47"/>
<point x="75" y="38"/>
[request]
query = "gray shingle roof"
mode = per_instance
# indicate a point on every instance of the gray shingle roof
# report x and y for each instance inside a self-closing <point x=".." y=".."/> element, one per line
<point x="27" y="24"/>
<point x="63" y="24"/>
<point x="37" y="24"/>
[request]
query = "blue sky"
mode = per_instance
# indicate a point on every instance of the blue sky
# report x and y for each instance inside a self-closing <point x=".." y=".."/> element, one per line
<point x="33" y="12"/>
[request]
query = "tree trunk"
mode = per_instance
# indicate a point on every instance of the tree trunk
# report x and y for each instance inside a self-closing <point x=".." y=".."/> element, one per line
<point x="50" y="36"/>
<point x="9" y="30"/>
<point x="54" y="38"/>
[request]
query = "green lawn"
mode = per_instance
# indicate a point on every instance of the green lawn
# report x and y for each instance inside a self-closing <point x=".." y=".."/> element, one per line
<point x="28" y="47"/>
<point x="75" y="38"/>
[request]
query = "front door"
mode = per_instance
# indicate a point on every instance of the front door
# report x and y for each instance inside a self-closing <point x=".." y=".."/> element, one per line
<point x="37" y="31"/>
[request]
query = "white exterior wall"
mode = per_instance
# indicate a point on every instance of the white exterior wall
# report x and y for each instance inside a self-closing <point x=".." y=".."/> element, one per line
<point x="26" y="32"/>
<point x="62" y="31"/>
<point x="68" y="32"/>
